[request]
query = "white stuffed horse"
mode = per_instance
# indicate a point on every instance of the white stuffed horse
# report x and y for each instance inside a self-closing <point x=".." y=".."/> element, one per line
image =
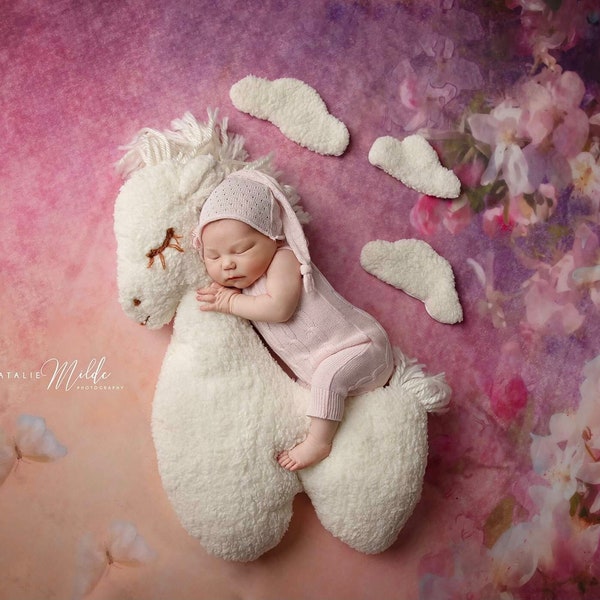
<point x="223" y="407"/>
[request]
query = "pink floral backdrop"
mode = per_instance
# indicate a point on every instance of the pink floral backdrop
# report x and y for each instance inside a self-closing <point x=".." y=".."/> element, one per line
<point x="509" y="94"/>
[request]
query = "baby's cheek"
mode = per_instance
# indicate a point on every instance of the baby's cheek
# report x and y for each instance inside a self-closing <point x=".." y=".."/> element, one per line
<point x="212" y="271"/>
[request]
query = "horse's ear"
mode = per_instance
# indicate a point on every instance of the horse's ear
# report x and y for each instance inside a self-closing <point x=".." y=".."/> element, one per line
<point x="193" y="174"/>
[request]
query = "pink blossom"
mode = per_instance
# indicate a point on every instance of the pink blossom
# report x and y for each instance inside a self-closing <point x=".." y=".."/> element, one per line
<point x="549" y="308"/>
<point x="515" y="555"/>
<point x="557" y="464"/>
<point x="551" y="107"/>
<point x="459" y="571"/>
<point x="516" y="214"/>
<point x="508" y="397"/>
<point x="586" y="177"/>
<point x="560" y="539"/>
<point x="496" y="221"/>
<point x="554" y="290"/>
<point x="429" y="214"/>
<point x="422" y="98"/>
<point x="492" y="305"/>
<point x="571" y="543"/>
<point x="570" y="454"/>
<point x="552" y="541"/>
<point x="546" y="29"/>
<point x="507" y="391"/>
<point x="470" y="172"/>
<point x="530" y="137"/>
<point x="500" y="130"/>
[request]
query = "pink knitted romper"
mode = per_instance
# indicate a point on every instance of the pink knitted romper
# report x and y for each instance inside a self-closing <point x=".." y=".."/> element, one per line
<point x="336" y="348"/>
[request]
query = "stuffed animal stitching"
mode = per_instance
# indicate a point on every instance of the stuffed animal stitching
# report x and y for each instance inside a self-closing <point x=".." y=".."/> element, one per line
<point x="170" y="241"/>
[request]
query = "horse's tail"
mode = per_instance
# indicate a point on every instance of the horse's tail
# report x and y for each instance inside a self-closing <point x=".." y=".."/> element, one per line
<point x="432" y="391"/>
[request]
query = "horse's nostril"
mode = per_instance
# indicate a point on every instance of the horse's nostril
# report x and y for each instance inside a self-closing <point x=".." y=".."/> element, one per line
<point x="136" y="301"/>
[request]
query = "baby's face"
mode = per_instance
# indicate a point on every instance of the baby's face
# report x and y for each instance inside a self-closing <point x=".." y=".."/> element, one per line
<point x="235" y="254"/>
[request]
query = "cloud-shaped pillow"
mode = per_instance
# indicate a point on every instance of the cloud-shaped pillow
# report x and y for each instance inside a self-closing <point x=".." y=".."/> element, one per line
<point x="294" y="107"/>
<point x="414" y="267"/>
<point x="415" y="163"/>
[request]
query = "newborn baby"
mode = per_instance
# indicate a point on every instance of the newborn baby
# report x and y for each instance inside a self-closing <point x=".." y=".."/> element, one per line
<point x="255" y="252"/>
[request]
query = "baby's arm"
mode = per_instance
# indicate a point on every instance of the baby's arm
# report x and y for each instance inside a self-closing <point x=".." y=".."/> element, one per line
<point x="284" y="287"/>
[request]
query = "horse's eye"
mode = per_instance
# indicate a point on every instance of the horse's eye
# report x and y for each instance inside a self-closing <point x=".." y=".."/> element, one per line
<point x="170" y="241"/>
<point x="136" y="301"/>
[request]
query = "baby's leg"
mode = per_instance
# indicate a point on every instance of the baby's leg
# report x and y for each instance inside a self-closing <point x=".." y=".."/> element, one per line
<point x="350" y="371"/>
<point x="313" y="449"/>
<point x="330" y="384"/>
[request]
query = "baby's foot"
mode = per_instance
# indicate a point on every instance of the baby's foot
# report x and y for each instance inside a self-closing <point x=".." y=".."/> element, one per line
<point x="305" y="454"/>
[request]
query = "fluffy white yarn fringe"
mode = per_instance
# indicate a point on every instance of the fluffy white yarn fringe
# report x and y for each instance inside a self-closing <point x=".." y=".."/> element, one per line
<point x="432" y="391"/>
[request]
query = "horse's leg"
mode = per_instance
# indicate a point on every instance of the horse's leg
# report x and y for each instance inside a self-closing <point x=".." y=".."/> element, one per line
<point x="222" y="411"/>
<point x="366" y="489"/>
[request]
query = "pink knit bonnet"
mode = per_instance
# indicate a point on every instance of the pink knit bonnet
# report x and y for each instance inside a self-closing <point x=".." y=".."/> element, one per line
<point x="257" y="199"/>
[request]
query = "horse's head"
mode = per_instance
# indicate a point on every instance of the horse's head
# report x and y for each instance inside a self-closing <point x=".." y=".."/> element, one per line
<point x="169" y="175"/>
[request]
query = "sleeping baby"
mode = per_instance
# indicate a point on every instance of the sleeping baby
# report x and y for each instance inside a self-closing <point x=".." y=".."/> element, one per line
<point x="256" y="254"/>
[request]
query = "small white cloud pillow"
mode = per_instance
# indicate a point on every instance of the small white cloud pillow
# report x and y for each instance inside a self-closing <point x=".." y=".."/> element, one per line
<point x="295" y="108"/>
<point x="415" y="163"/>
<point x="414" y="267"/>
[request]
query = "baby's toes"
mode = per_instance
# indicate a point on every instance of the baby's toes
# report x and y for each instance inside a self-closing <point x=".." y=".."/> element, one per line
<point x="286" y="461"/>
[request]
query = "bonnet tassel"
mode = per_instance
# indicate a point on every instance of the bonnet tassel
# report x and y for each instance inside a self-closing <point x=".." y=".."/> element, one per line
<point x="307" y="277"/>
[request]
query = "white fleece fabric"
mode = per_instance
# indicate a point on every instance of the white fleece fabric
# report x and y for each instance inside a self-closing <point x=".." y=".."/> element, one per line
<point x="223" y="407"/>
<point x="295" y="108"/>
<point x="416" y="268"/>
<point x="416" y="164"/>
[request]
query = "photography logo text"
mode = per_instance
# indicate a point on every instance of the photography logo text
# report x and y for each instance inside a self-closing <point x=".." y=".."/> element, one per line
<point x="67" y="375"/>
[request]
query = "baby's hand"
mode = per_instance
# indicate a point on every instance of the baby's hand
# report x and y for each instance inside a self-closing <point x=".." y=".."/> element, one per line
<point x="217" y="298"/>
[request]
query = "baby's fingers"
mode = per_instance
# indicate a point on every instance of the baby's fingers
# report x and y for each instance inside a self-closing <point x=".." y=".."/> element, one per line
<point x="206" y="290"/>
<point x="208" y="297"/>
<point x="208" y="307"/>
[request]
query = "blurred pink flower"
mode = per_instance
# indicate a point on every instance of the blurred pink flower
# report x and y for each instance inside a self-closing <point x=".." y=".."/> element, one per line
<point x="551" y="107"/>
<point x="549" y="308"/>
<point x="494" y="300"/>
<point x="545" y="29"/>
<point x="460" y="571"/>
<point x="497" y="221"/>
<point x="500" y="131"/>
<point x="508" y="397"/>
<point x="425" y="100"/>
<point x="470" y="172"/>
<point x="562" y="537"/>
<point x="507" y="390"/>
<point x="554" y="290"/>
<point x="515" y="215"/>
<point x="557" y="462"/>
<point x="586" y="177"/>
<point x="429" y="214"/>
<point x="516" y="554"/>
<point x="531" y="137"/>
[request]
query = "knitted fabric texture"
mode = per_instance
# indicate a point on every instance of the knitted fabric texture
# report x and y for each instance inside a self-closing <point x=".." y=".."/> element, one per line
<point x="246" y="201"/>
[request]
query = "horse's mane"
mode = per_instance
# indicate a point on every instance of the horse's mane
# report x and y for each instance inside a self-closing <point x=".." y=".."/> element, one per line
<point x="187" y="139"/>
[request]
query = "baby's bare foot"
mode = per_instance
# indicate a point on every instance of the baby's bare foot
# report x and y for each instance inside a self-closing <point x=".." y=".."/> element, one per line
<point x="305" y="454"/>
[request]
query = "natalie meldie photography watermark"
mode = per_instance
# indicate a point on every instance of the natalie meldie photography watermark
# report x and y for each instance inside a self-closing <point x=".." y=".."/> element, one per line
<point x="67" y="375"/>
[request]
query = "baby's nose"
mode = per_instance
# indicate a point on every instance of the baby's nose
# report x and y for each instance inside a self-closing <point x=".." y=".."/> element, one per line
<point x="228" y="263"/>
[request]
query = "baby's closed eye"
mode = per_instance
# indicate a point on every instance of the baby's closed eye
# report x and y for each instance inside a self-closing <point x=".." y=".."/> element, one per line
<point x="244" y="249"/>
